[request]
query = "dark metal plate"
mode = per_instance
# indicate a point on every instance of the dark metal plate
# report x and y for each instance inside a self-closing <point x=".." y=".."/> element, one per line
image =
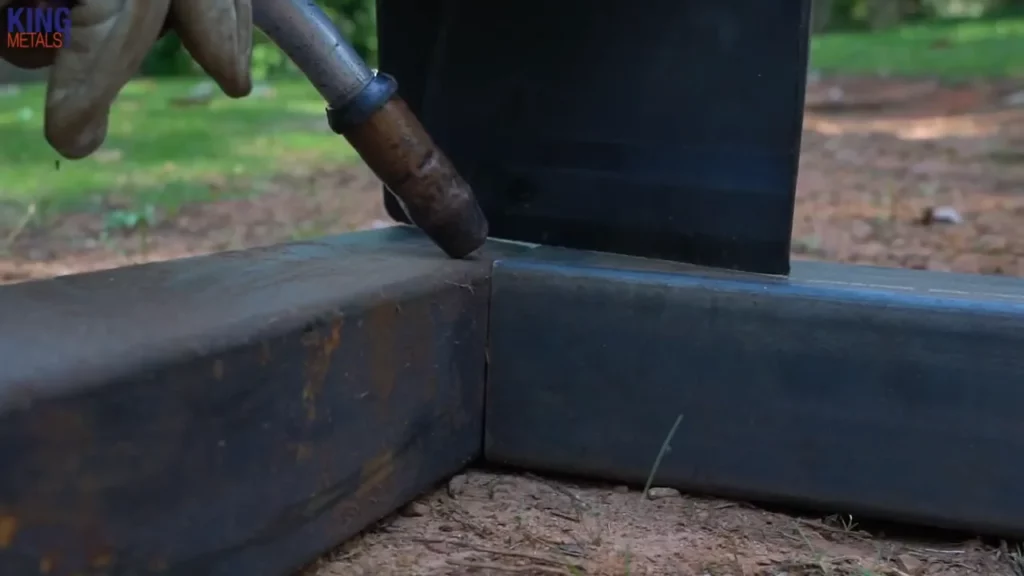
<point x="233" y="414"/>
<point x="889" y="393"/>
<point x="669" y="129"/>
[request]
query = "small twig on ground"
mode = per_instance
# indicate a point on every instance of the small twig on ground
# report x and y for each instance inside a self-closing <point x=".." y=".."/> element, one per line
<point x="497" y="552"/>
<point x="926" y="551"/>
<point x="553" y="546"/>
<point x="30" y="212"/>
<point x="579" y="507"/>
<point x="576" y="500"/>
<point x="529" y="569"/>
<point x="818" y="525"/>
<point x="565" y="516"/>
<point x="1016" y="558"/>
<point x="665" y="447"/>
<point x="806" y="542"/>
<point x="456" y="514"/>
<point x="346" y="556"/>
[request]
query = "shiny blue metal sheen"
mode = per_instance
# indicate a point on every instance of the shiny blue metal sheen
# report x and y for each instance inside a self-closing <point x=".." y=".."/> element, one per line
<point x="890" y="393"/>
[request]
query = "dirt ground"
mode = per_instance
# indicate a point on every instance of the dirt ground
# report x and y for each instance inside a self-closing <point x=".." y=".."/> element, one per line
<point x="295" y="206"/>
<point x="495" y="524"/>
<point x="895" y="173"/>
<point x="887" y="154"/>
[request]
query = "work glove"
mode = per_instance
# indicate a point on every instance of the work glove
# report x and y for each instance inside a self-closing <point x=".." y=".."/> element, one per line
<point x="108" y="41"/>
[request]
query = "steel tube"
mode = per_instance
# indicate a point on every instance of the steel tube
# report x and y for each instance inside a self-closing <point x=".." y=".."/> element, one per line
<point x="309" y="38"/>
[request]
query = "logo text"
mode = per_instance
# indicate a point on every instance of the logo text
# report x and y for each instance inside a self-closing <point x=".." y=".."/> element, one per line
<point x="38" y="27"/>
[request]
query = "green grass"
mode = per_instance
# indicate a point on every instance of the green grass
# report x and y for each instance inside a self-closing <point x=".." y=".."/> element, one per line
<point x="160" y="155"/>
<point x="166" y="156"/>
<point x="972" y="49"/>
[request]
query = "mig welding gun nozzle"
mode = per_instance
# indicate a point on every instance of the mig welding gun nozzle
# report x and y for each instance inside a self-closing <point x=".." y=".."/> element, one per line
<point x="364" y="107"/>
<point x="393" y="143"/>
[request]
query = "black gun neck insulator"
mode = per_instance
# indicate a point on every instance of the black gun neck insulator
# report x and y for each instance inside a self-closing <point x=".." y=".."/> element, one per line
<point x="358" y="109"/>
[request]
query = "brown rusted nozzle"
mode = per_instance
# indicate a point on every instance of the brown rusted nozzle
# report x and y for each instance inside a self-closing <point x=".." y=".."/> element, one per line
<point x="398" y="149"/>
<point x="364" y="107"/>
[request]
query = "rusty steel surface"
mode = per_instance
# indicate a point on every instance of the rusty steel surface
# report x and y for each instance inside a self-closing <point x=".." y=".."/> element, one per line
<point x="400" y="152"/>
<point x="885" y="393"/>
<point x="238" y="413"/>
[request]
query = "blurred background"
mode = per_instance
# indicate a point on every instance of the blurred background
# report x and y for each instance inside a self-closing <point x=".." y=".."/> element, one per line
<point x="913" y="151"/>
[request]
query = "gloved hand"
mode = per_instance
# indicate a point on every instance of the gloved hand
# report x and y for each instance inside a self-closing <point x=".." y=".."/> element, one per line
<point x="109" y="40"/>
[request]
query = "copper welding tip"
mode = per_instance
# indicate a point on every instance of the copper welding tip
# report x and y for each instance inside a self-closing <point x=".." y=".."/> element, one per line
<point x="398" y="149"/>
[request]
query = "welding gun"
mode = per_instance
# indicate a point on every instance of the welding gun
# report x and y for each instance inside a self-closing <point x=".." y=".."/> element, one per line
<point x="364" y="107"/>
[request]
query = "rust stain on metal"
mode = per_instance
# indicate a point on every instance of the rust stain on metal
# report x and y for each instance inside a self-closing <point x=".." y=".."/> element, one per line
<point x="382" y="323"/>
<point x="375" y="472"/>
<point x="344" y="513"/>
<point x="303" y="452"/>
<point x="318" y="363"/>
<point x="104" y="560"/>
<point x="8" y="528"/>
<point x="62" y="444"/>
<point x="218" y="369"/>
<point x="398" y="149"/>
<point x="61" y="439"/>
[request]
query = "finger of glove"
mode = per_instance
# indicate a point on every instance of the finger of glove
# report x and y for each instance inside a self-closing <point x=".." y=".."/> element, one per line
<point x="218" y="35"/>
<point x="109" y="40"/>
